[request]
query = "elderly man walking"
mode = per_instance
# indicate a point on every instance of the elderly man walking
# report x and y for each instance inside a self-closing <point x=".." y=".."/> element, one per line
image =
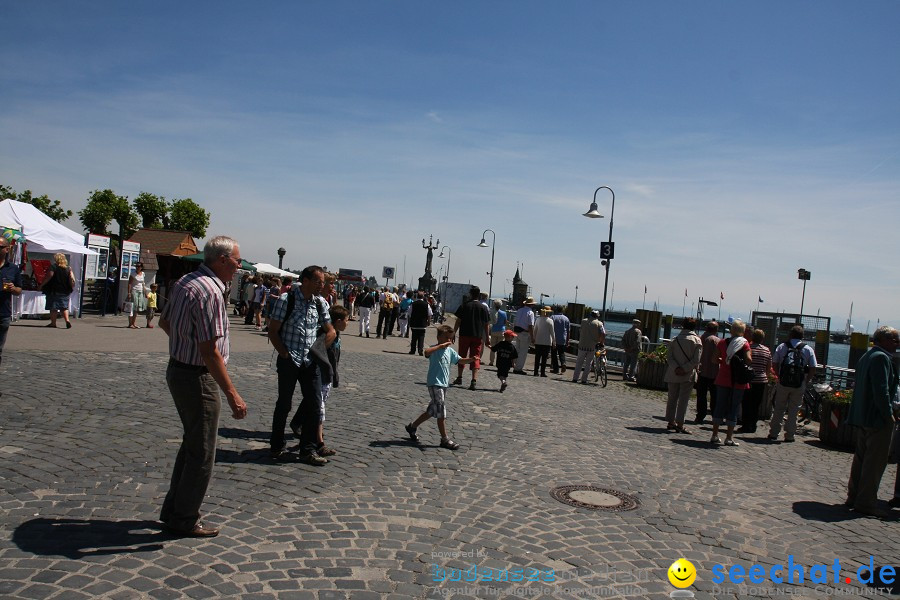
<point x="683" y="359"/>
<point x="524" y="330"/>
<point x="631" y="344"/>
<point x="590" y="334"/>
<point x="872" y="415"/>
<point x="196" y="321"/>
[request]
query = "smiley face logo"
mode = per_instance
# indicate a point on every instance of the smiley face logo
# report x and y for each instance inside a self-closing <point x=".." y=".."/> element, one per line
<point x="682" y="573"/>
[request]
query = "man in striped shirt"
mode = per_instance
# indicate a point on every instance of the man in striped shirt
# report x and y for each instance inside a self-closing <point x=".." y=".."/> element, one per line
<point x="196" y="321"/>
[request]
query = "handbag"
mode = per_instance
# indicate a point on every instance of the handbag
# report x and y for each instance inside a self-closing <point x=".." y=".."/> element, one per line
<point x="128" y="308"/>
<point x="741" y="372"/>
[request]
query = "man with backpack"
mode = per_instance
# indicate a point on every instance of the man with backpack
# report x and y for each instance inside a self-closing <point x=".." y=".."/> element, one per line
<point x="385" y="311"/>
<point x="795" y="363"/>
<point x="304" y="317"/>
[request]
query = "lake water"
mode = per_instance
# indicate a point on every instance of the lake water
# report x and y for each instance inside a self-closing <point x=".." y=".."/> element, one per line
<point x="838" y="354"/>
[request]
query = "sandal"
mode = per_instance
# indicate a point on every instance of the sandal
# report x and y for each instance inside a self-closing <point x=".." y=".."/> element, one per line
<point x="683" y="430"/>
<point x="731" y="442"/>
<point x="325" y="451"/>
<point x="449" y="444"/>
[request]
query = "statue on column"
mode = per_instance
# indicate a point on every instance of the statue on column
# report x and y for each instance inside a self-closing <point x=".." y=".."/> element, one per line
<point x="427" y="282"/>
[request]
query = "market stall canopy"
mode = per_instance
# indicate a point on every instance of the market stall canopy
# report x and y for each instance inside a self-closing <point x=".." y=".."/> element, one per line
<point x="247" y="266"/>
<point x="42" y="233"/>
<point x="268" y="269"/>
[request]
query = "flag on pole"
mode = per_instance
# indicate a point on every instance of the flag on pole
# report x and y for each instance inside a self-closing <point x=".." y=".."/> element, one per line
<point x="645" y="289"/>
<point x="721" y="295"/>
<point x="685" y="292"/>
<point x="760" y="299"/>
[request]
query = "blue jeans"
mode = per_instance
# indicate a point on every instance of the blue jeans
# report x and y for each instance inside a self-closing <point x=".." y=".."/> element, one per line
<point x="728" y="403"/>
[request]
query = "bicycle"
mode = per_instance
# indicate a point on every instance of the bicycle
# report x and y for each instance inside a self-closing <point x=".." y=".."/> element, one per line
<point x="599" y="366"/>
<point x="810" y="410"/>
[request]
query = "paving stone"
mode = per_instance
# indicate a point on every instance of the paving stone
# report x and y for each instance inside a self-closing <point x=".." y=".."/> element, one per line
<point x="79" y="501"/>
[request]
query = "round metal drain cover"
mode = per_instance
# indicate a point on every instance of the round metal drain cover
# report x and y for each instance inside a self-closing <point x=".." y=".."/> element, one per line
<point x="595" y="498"/>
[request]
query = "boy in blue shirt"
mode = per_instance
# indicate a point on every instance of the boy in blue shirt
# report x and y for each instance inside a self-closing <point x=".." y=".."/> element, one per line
<point x="440" y="358"/>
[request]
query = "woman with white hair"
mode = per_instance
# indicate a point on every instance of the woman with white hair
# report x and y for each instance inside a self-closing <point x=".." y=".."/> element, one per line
<point x="58" y="286"/>
<point x="730" y="393"/>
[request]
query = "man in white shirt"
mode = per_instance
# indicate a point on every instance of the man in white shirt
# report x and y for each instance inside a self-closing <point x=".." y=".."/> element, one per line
<point x="524" y="329"/>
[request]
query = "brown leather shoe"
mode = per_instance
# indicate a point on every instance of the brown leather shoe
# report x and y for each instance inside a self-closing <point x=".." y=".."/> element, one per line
<point x="197" y="531"/>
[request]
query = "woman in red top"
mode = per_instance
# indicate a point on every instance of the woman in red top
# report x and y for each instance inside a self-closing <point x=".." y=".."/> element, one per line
<point x="728" y="393"/>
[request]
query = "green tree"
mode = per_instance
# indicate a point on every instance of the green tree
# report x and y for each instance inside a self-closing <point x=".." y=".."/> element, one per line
<point x="153" y="209"/>
<point x="105" y="206"/>
<point x="51" y="208"/>
<point x="187" y="215"/>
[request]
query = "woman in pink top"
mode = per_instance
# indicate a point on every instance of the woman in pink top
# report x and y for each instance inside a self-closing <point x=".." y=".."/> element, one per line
<point x="728" y="393"/>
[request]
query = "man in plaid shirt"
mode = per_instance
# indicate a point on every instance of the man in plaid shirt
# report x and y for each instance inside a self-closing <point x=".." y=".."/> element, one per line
<point x="307" y="319"/>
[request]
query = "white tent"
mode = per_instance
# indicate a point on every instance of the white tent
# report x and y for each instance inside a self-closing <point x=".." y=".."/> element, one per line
<point x="268" y="269"/>
<point x="43" y="234"/>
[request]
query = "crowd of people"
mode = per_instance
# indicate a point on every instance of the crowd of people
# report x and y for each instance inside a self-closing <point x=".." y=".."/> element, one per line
<point x="304" y="322"/>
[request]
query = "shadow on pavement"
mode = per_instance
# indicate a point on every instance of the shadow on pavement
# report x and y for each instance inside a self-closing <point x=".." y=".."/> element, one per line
<point x="827" y="513"/>
<point x="764" y="441"/>
<point x="815" y="443"/>
<point x="243" y="434"/>
<point x="77" y="538"/>
<point x="242" y="456"/>
<point x="645" y="429"/>
<point x="390" y="443"/>
<point x="696" y="443"/>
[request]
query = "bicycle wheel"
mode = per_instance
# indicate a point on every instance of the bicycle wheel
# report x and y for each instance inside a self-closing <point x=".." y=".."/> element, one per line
<point x="603" y="377"/>
<point x="596" y="369"/>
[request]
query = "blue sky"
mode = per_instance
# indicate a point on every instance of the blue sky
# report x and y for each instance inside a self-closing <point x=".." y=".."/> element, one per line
<point x="743" y="140"/>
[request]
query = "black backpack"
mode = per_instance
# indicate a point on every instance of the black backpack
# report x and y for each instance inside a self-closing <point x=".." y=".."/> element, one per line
<point x="792" y="372"/>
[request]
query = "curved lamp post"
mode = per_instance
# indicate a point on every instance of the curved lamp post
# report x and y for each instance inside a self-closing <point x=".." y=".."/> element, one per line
<point x="441" y="255"/>
<point x="446" y="275"/>
<point x="483" y="244"/>
<point x="592" y="213"/>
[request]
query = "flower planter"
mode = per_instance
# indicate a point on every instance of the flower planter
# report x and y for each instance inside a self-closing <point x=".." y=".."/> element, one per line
<point x="650" y="374"/>
<point x="832" y="429"/>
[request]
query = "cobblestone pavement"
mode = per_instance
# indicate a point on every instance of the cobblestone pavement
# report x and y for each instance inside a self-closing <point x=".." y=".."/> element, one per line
<point x="88" y="439"/>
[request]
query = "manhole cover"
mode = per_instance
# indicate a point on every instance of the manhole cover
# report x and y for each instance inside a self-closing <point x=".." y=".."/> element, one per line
<point x="595" y="498"/>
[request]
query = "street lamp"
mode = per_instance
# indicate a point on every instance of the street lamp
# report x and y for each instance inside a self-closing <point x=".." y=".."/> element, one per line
<point x="482" y="244"/>
<point x="281" y="253"/>
<point x="606" y="250"/>
<point x="804" y="275"/>
<point x="447" y="273"/>
<point x="441" y="255"/>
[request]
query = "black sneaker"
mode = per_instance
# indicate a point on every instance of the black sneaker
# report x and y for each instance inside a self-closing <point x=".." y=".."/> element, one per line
<point x="276" y="453"/>
<point x="412" y="432"/>
<point x="457" y="381"/>
<point x="502" y="387"/>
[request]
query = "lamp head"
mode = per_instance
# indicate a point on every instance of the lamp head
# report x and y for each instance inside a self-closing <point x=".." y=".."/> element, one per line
<point x="593" y="213"/>
<point x="482" y="244"/>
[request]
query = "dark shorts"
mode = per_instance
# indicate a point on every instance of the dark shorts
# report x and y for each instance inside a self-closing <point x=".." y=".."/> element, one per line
<point x="471" y="347"/>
